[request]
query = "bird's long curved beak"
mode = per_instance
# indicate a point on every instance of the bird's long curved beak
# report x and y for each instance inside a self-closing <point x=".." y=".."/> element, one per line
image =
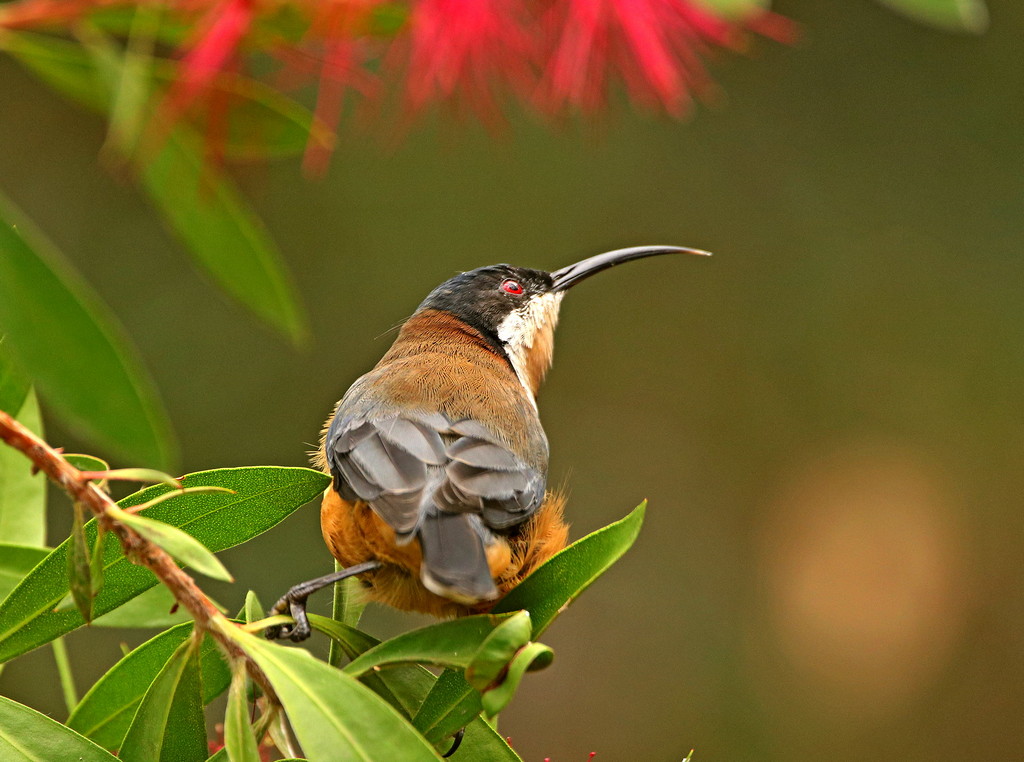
<point x="569" y="276"/>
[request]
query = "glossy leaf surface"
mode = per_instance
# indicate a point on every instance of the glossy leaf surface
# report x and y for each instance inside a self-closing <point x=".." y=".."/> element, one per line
<point x="106" y="711"/>
<point x="263" y="496"/>
<point x="28" y="736"/>
<point x="333" y="714"/>
<point x="168" y="724"/>
<point x="545" y="593"/>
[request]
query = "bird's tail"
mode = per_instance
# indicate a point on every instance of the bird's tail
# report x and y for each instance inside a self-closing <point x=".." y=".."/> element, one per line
<point x="455" y="559"/>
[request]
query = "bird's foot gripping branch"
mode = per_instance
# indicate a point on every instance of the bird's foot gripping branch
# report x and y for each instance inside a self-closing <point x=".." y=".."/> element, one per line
<point x="123" y="568"/>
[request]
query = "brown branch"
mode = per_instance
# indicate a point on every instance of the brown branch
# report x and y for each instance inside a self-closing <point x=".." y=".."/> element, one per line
<point x="136" y="548"/>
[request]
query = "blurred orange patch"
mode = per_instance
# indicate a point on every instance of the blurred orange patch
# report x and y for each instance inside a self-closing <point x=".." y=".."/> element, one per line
<point x="865" y="564"/>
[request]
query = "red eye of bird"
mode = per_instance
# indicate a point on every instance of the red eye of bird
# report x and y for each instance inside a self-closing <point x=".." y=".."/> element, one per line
<point x="511" y="287"/>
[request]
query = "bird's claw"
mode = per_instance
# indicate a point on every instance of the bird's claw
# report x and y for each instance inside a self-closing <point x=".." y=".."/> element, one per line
<point x="299" y="630"/>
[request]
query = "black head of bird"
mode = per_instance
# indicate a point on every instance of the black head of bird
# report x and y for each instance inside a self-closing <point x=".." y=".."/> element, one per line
<point x="437" y="456"/>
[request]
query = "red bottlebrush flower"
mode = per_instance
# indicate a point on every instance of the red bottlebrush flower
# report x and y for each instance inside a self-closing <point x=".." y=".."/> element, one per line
<point x="342" y="27"/>
<point x="653" y="45"/>
<point x="468" y="50"/>
<point x="214" y="47"/>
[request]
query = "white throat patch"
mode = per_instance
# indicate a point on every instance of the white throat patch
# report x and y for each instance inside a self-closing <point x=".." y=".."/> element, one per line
<point x="519" y="329"/>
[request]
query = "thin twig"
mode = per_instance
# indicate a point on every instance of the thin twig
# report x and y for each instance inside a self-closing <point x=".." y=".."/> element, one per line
<point x="137" y="549"/>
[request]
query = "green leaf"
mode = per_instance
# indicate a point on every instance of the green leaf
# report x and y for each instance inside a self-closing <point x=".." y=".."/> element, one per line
<point x="67" y="340"/>
<point x="263" y="496"/>
<point x="239" y="740"/>
<point x="169" y="724"/>
<point x="61" y="64"/>
<point x="222" y="233"/>
<point x="334" y="715"/>
<point x="203" y="208"/>
<point x="79" y="564"/>
<point x="348" y="608"/>
<point x="154" y="608"/>
<point x="253" y="608"/>
<point x="531" y="657"/>
<point x="131" y="94"/>
<point x="22" y="494"/>
<point x="86" y="462"/>
<point x="549" y="589"/>
<point x="492" y="656"/>
<point x="28" y="736"/>
<point x="106" y="711"/>
<point x="264" y="124"/>
<point x="14" y="384"/>
<point x="951" y="15"/>
<point x="545" y="593"/>
<point x="445" y="644"/>
<point x="16" y="561"/>
<point x="451" y="704"/>
<point x="405" y="686"/>
<point x="182" y="546"/>
<point x="352" y="641"/>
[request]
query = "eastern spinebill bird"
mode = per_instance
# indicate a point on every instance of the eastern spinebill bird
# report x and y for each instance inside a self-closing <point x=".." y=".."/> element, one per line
<point x="437" y="456"/>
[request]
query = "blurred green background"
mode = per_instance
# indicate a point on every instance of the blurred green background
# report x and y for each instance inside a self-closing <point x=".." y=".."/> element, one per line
<point x="826" y="416"/>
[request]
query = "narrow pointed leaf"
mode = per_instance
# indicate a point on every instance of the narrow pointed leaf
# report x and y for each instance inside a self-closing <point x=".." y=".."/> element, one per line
<point x="28" y="736"/>
<point x="61" y="334"/>
<point x="86" y="462"/>
<point x="169" y="724"/>
<point x="182" y="546"/>
<point x="531" y="657"/>
<point x="239" y="740"/>
<point x="128" y="110"/>
<point x="253" y="608"/>
<point x="952" y="15"/>
<point x="16" y="561"/>
<point x="79" y="565"/>
<point x="263" y="123"/>
<point x="61" y="64"/>
<point x="263" y="496"/>
<point x="445" y="644"/>
<point x="155" y="608"/>
<point x="353" y="642"/>
<point x="106" y="711"/>
<point x="14" y="384"/>
<point x="22" y="494"/>
<point x="405" y="686"/>
<point x="402" y="686"/>
<point x="490" y="660"/>
<point x="219" y="229"/>
<point x="549" y="590"/>
<point x="545" y="594"/>
<point x="348" y="606"/>
<point x="96" y="562"/>
<point x="334" y="715"/>
<point x="222" y="233"/>
<point x="451" y="704"/>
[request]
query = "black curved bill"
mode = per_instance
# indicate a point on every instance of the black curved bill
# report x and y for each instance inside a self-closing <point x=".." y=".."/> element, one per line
<point x="569" y="276"/>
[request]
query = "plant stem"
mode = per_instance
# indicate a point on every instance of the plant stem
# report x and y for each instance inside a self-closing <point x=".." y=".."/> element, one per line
<point x="348" y="608"/>
<point x="67" y="679"/>
<point x="136" y="548"/>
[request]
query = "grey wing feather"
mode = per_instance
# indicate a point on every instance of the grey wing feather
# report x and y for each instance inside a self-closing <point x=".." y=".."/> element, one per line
<point x="406" y="465"/>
